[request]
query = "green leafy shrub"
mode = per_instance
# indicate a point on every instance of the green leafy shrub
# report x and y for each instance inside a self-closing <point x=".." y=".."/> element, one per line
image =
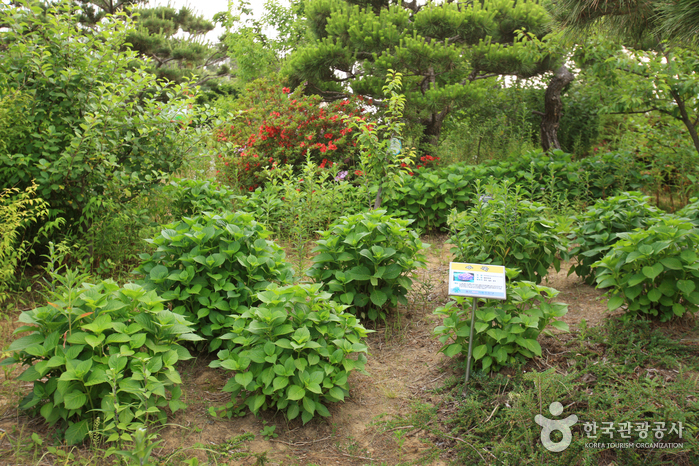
<point x="599" y="226"/>
<point x="192" y="197"/>
<point x="211" y="267"/>
<point x="297" y="201"/>
<point x="365" y="261"/>
<point x="428" y="195"/>
<point x="18" y="209"/>
<point x="691" y="211"/>
<point x="92" y="123"/>
<point x="611" y="173"/>
<point x="507" y="230"/>
<point x="505" y="332"/>
<point x="653" y="272"/>
<point x="292" y="353"/>
<point x="101" y="351"/>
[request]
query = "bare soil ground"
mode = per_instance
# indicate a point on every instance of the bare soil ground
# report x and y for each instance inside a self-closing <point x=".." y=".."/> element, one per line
<point x="404" y="369"/>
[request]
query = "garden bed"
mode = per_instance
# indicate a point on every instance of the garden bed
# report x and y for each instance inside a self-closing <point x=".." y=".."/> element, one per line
<point x="404" y="411"/>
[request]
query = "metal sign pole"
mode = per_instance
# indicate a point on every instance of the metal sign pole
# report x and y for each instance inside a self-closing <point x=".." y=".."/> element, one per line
<point x="470" y="342"/>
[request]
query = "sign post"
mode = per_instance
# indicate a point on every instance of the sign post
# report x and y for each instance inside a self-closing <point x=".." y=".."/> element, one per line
<point x="476" y="281"/>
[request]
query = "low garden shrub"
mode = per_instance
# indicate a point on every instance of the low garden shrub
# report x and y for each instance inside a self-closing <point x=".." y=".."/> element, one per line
<point x="365" y="261"/>
<point x="691" y="211"/>
<point x="505" y="229"/>
<point x="192" y="197"/>
<point x="505" y="332"/>
<point x="296" y="205"/>
<point x="599" y="226"/>
<point x="428" y="195"/>
<point x="211" y="267"/>
<point x="292" y="353"/>
<point x="101" y="351"/>
<point x="653" y="272"/>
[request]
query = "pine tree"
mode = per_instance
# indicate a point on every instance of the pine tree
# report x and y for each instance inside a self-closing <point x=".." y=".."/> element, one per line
<point x="158" y="36"/>
<point x="635" y="21"/>
<point x="442" y="50"/>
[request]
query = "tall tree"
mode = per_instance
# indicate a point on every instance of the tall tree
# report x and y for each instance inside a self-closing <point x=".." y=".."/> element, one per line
<point x="258" y="44"/>
<point x="174" y="39"/>
<point x="655" y="72"/>
<point x="441" y="49"/>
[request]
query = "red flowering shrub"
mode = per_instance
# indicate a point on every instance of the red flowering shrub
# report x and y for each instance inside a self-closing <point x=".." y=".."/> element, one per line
<point x="275" y="126"/>
<point x="426" y="161"/>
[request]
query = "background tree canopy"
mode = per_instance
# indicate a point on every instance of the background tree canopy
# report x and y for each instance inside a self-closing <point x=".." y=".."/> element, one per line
<point x="442" y="50"/>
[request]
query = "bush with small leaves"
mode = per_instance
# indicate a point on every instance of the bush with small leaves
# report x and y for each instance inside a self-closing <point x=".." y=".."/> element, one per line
<point x="365" y="261"/>
<point x="505" y="229"/>
<point x="505" y="332"/>
<point x="211" y="267"/>
<point x="653" y="272"/>
<point x="101" y="351"/>
<point x="599" y="226"/>
<point x="292" y="353"/>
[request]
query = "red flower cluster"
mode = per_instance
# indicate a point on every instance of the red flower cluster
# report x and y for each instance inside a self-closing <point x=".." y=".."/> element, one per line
<point x="286" y="130"/>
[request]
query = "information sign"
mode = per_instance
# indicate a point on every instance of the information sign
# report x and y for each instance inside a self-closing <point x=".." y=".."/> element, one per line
<point x="477" y="280"/>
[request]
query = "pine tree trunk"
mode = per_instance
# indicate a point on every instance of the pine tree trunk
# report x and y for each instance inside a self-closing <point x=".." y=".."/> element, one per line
<point x="553" y="107"/>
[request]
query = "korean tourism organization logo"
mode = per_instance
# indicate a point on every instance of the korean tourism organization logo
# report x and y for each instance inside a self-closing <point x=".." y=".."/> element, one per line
<point x="548" y="426"/>
<point x="649" y="434"/>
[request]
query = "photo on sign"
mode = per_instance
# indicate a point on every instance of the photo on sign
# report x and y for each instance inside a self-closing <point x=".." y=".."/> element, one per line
<point x="465" y="277"/>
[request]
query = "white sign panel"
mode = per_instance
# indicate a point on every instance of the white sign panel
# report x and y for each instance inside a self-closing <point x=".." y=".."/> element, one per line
<point x="477" y="280"/>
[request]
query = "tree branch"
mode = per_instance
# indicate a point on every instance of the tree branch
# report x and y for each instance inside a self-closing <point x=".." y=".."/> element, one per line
<point x="652" y="109"/>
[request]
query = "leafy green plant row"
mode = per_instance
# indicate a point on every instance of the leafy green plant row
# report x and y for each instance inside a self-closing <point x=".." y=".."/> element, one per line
<point x="429" y="195"/>
<point x="211" y="266"/>
<point x="505" y="228"/>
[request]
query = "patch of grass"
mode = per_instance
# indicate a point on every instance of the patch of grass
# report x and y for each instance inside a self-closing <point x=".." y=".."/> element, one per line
<point x="620" y="373"/>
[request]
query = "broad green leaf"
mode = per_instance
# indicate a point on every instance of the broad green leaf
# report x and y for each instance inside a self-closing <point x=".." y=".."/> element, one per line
<point x="678" y="309"/>
<point x="309" y="405"/>
<point x="615" y="302"/>
<point x="378" y="297"/>
<point x="479" y="351"/>
<point x="97" y="376"/>
<point x="685" y="286"/>
<point x="671" y="263"/>
<point x="295" y="392"/>
<point x="452" y="350"/>
<point x="652" y="271"/>
<point x="243" y="378"/>
<point x="654" y="295"/>
<point x="74" y="399"/>
<point x="77" y="432"/>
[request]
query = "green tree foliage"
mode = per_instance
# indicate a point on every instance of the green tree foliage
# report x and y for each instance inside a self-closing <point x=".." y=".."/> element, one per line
<point x="632" y="19"/>
<point x="89" y="125"/>
<point x="657" y="74"/>
<point x="665" y="80"/>
<point x="174" y="39"/>
<point x="257" y="54"/>
<point x="440" y="50"/>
